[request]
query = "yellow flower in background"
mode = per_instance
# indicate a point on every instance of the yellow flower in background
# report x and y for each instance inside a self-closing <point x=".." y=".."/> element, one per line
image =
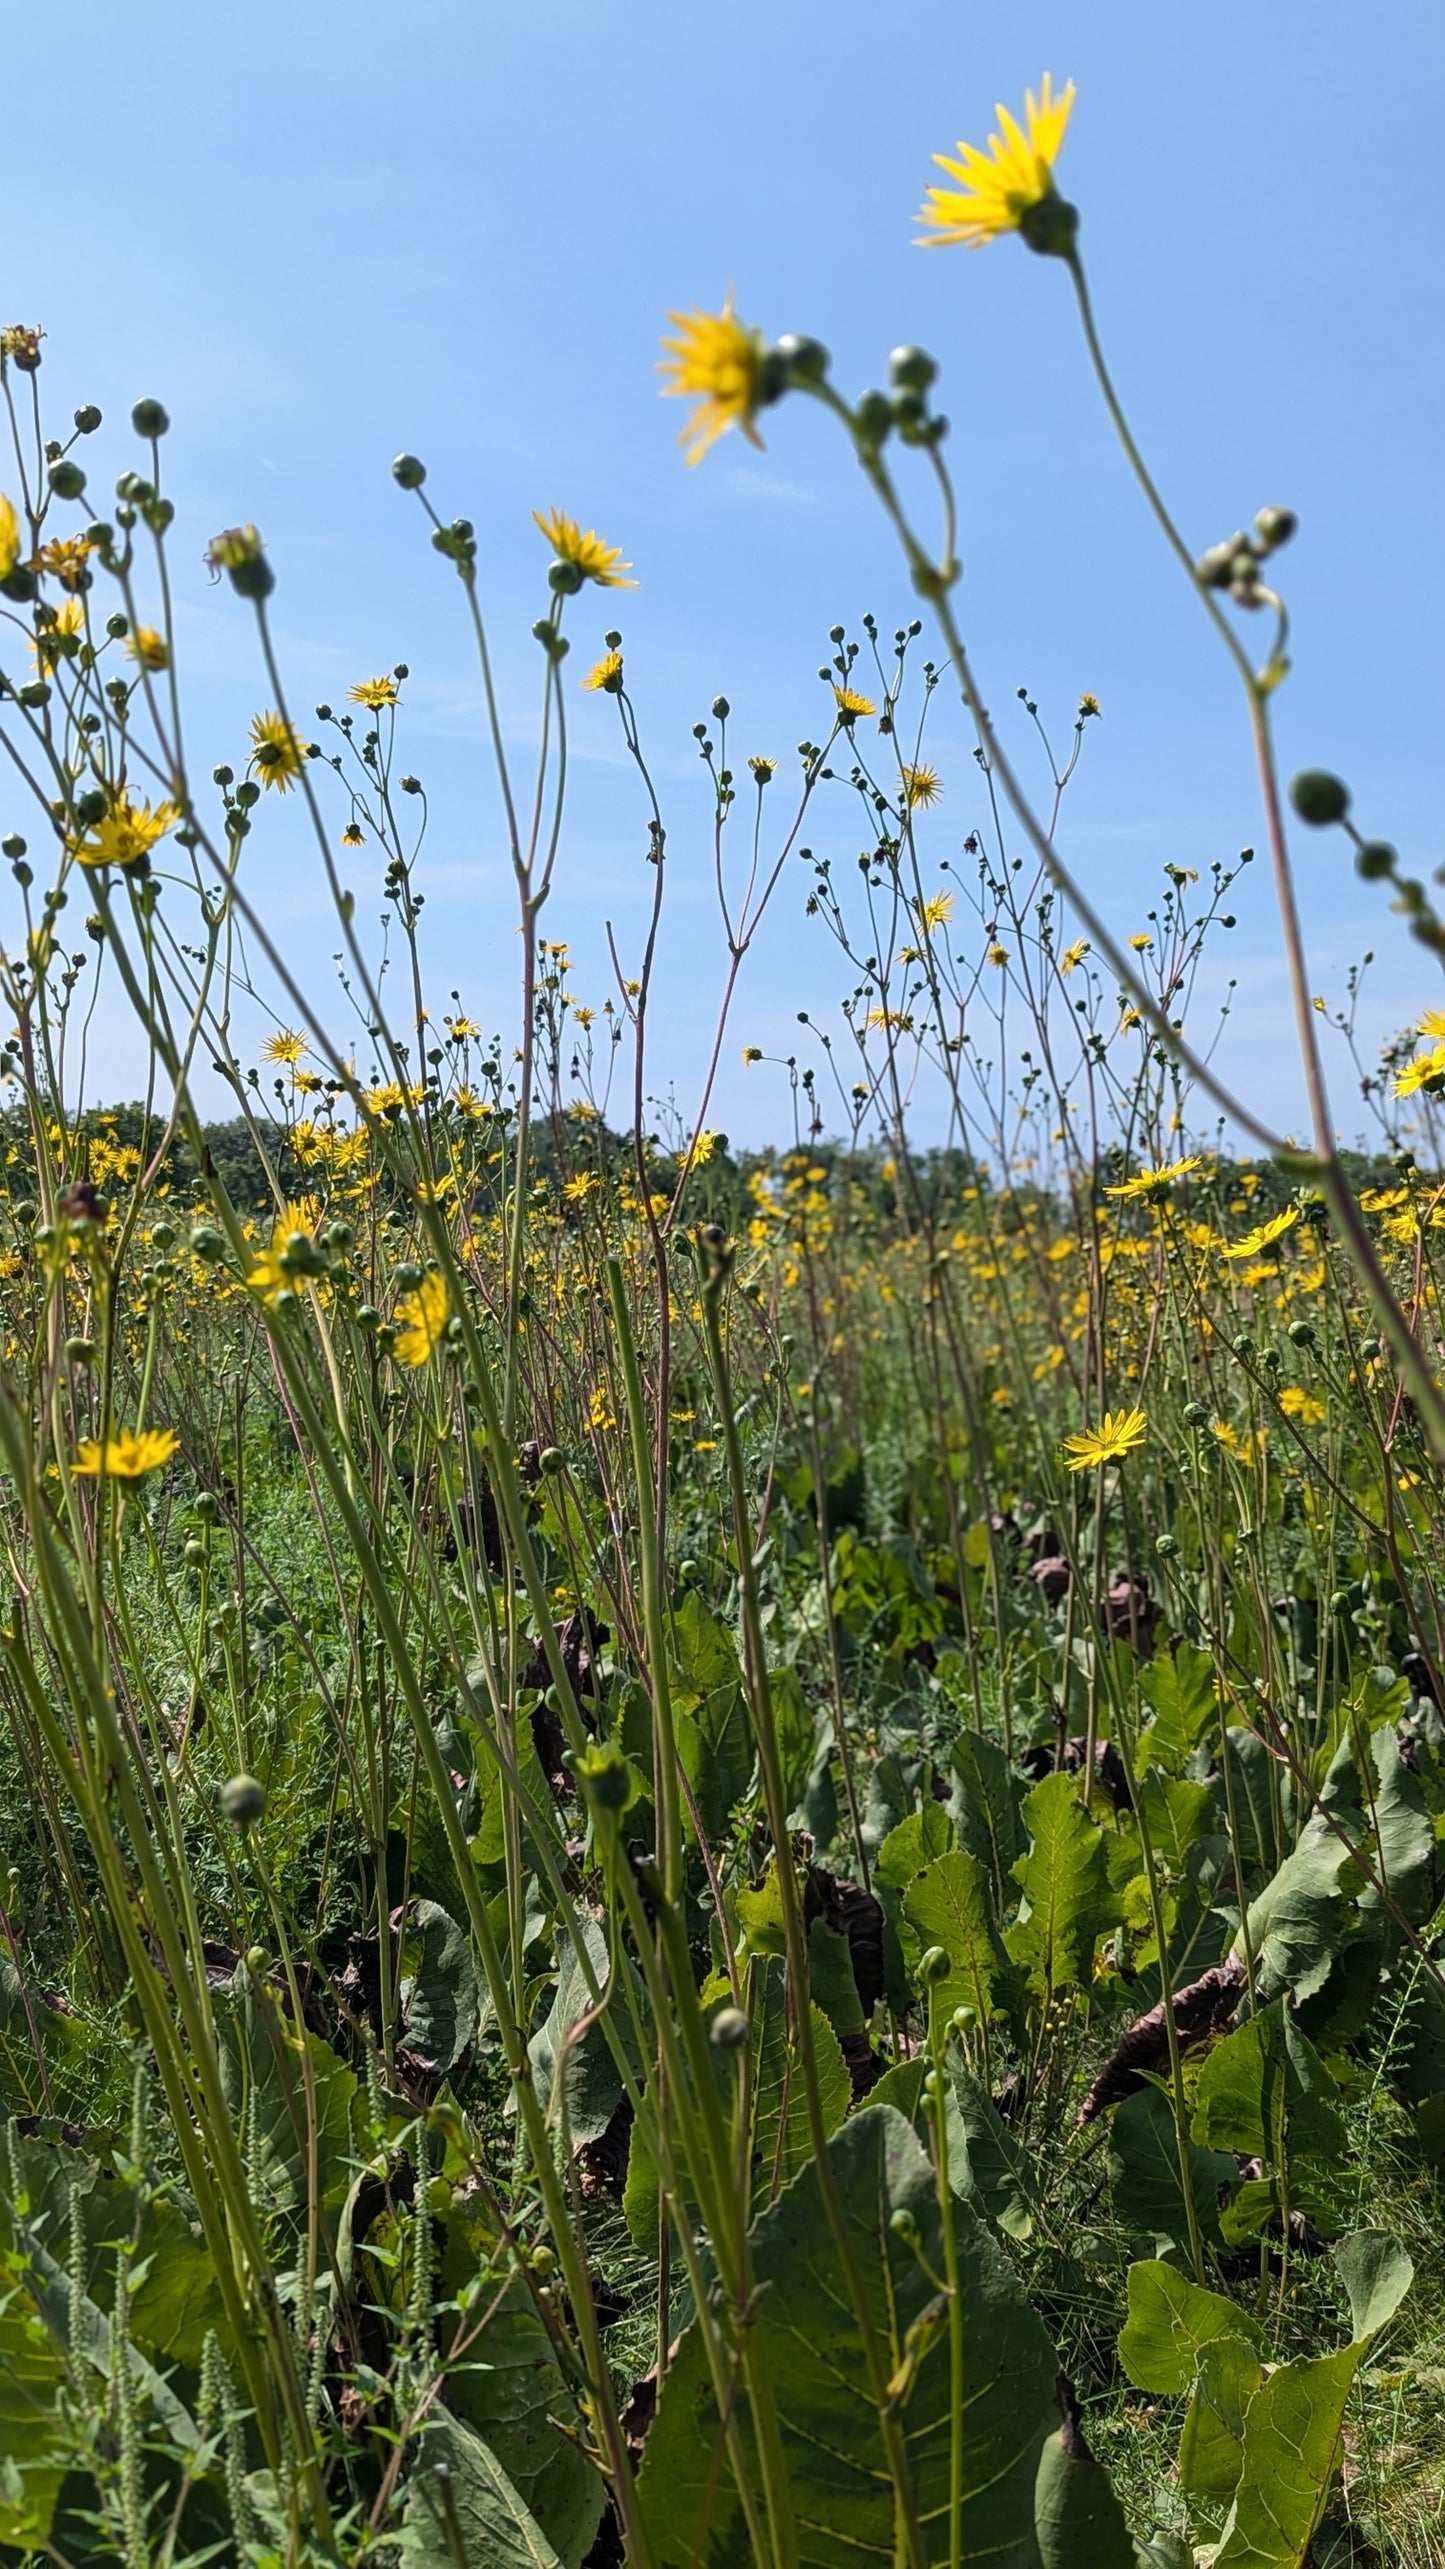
<point x="125" y="834"/>
<point x="1151" y="1182"/>
<point x="1090" y="709"/>
<point x="286" y="1045"/>
<point x="1301" y="1405"/>
<point x="586" y="553"/>
<point x="128" y="1457"/>
<point x="922" y="787"/>
<point x="374" y="692"/>
<point x="600" y="1412"/>
<point x="423" y="1317"/>
<point x="67" y="560"/>
<point x="49" y="646"/>
<point x="577" y="1189"/>
<point x="718" y="363"/>
<point x="703" y="1146"/>
<point x="276" y="750"/>
<point x="1117" y="1434"/>
<point x="9" y="538"/>
<point x="1264" y="1234"/>
<point x="148" y="648"/>
<point x="605" y="675"/>
<point x="1001" y="186"/>
<point x="851" y="704"/>
<point x="1074" y="955"/>
<point x="998" y="956"/>
<point x="936" y="912"/>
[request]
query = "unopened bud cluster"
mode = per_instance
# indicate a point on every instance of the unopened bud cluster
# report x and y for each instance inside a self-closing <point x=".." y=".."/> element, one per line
<point x="1236" y="564"/>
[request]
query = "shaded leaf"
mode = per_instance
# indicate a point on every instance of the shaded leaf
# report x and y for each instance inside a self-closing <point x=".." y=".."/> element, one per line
<point x="460" y="2503"/>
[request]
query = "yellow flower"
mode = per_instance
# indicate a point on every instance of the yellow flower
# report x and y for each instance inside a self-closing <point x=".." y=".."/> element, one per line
<point x="1118" y="1432"/>
<point x="599" y="1410"/>
<point x="1433" y="1025"/>
<point x="68" y="561"/>
<point x="703" y="1146"/>
<point x="718" y="363"/>
<point x="1074" y="956"/>
<point x="851" y="704"/>
<point x="586" y="553"/>
<point x="936" y="912"/>
<point x="1423" y="1072"/>
<point x="998" y="956"/>
<point x="1000" y="187"/>
<point x="284" y="1046"/>
<point x="763" y="769"/>
<point x="147" y="648"/>
<point x="374" y="692"/>
<point x="276" y="751"/>
<point x="1264" y="1234"/>
<point x="1152" y="1182"/>
<point x="577" y="1189"/>
<point x="353" y="835"/>
<point x="463" y="1030"/>
<point x="51" y="644"/>
<point x="1089" y="708"/>
<point x="1301" y="1405"/>
<point x="922" y="786"/>
<point x="423" y="1317"/>
<point x="128" y="1457"/>
<point x="125" y="834"/>
<point x="605" y="675"/>
<point x="1141" y="945"/>
<point x="9" y="538"/>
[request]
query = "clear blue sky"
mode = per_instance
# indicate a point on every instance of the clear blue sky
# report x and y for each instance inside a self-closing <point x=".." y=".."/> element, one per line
<point x="324" y="233"/>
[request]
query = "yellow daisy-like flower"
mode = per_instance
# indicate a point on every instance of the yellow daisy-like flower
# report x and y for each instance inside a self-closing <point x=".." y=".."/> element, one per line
<point x="52" y="643"/>
<point x="586" y="553"/>
<point x="1432" y="1024"/>
<point x="1264" y="1235"/>
<point x="1000" y="188"/>
<point x="577" y="1189"/>
<point x="600" y="1413"/>
<point x="1302" y="1405"/>
<point x="605" y="675"/>
<point x="1424" y="1072"/>
<point x="128" y="1457"/>
<point x="148" y="648"/>
<point x="1117" y="1434"/>
<point x="998" y="956"/>
<point x="851" y="704"/>
<point x="463" y="1030"/>
<point x="763" y="769"/>
<point x="125" y="834"/>
<point x="286" y="1045"/>
<point x="718" y="363"/>
<point x="277" y="751"/>
<point x="67" y="560"/>
<point x="9" y="537"/>
<point x="922" y="786"/>
<point x="423" y="1317"/>
<point x="1152" y="1182"/>
<point x="1074" y="955"/>
<point x="1090" y="709"/>
<point x="374" y="692"/>
<point x="936" y="912"/>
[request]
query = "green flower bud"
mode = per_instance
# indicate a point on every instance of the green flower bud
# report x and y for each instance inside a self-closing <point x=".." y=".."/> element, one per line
<point x="195" y="1552"/>
<point x="1318" y="797"/>
<point x="409" y="471"/>
<point x="1302" y="1333"/>
<point x="1275" y="526"/>
<point x="80" y="1351"/>
<point x="87" y="419"/>
<point x="564" y="578"/>
<point x="243" y="1800"/>
<point x="1369" y="1349"/>
<point x="1166" y="1545"/>
<point x="66" y="479"/>
<point x="1051" y="226"/>
<point x="911" y="370"/>
<point x="1375" y="860"/>
<point x="806" y="361"/>
<point x="1243" y="1345"/>
<point x="903" y="2225"/>
<point x="607" y="1780"/>
<point x="933" y="1966"/>
<point x="729" y="2029"/>
<point x="873" y="413"/>
<point x="207" y="1242"/>
<point x="1195" y="1414"/>
<point x="551" y="1461"/>
<point x="150" y="419"/>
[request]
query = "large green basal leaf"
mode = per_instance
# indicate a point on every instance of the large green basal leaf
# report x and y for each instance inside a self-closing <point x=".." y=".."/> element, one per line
<point x="1144" y="2179"/>
<point x="1170" y="2322"/>
<point x="1211" y="2449"/>
<point x="506" y="2386"/>
<point x="1264" y="2092"/>
<point x="580" y="2076"/>
<point x="1077" y="2518"/>
<point x="807" y="2343"/>
<point x="948" y="1904"/>
<point x="1181" y="1689"/>
<point x="1065" y="1883"/>
<point x="1291" y="2445"/>
<point x="440" y="1993"/>
<point x="987" y="1806"/>
<point x="32" y="2372"/>
<point x="710" y="1709"/>
<point x="782" y="2139"/>
<point x="264" y="2075"/>
<point x="462" y="2508"/>
<point x="175" y="2299"/>
<point x="986" y="2166"/>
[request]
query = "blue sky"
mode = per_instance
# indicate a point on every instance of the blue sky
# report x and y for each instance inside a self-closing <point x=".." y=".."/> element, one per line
<point x="322" y="234"/>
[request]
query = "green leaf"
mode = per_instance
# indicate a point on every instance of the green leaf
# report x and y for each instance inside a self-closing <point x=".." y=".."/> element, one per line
<point x="1065" y="1883"/>
<point x="948" y="1905"/>
<point x="782" y="2140"/>
<point x="1180" y="1687"/>
<point x="581" y="2078"/>
<point x="1170" y="2322"/>
<point x="29" y="2021"/>
<point x="32" y="2373"/>
<point x="807" y="2346"/>
<point x="714" y="1728"/>
<point x="506" y="2386"/>
<point x="1176" y="1813"/>
<point x="1211" y="2449"/>
<point x="440" y="1995"/>
<point x="1377" y="2272"/>
<point x="1143" y="2172"/>
<point x="1077" y="2517"/>
<point x="1251" y="1775"/>
<point x="1264" y="2092"/>
<point x="1291" y="2445"/>
<point x="986" y="2166"/>
<point x="830" y="1975"/>
<point x="919" y="1840"/>
<point x="461" y="2506"/>
<point x="986" y="1807"/>
<point x="265" y="2063"/>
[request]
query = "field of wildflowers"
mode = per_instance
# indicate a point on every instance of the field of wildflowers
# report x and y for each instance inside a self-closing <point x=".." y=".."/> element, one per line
<point x="708" y="1857"/>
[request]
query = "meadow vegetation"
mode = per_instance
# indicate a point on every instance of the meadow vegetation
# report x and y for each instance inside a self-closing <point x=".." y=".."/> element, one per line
<point x="707" y="1857"/>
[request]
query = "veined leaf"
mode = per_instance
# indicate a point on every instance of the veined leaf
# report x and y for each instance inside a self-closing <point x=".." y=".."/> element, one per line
<point x="1065" y="1882"/>
<point x="460" y="2504"/>
<point x="948" y="1905"/>
<point x="1170" y="2322"/>
<point x="1291" y="2446"/>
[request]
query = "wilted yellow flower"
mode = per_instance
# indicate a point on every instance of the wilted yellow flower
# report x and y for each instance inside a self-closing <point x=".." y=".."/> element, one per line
<point x="9" y="537"/>
<point x="1089" y="709"/>
<point x="922" y="786"/>
<point x="51" y="643"/>
<point x="423" y="1317"/>
<point x="605" y="675"/>
<point x="148" y="648"/>
<point x="1117" y="1433"/>
<point x="276" y="751"/>
<point x="1152" y="1182"/>
<point x="67" y="560"/>
<point x="1074" y="955"/>
<point x="123" y="835"/>
<point x="1000" y="187"/>
<point x="374" y="692"/>
<point x="851" y="704"/>
<point x="353" y="835"/>
<point x="128" y="1457"/>
<point x="1264" y="1234"/>
<point x="718" y="363"/>
<point x="586" y="553"/>
<point x="763" y="769"/>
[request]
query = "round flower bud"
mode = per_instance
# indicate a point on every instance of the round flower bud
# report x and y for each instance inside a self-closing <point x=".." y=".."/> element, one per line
<point x="1302" y="1333"/>
<point x="66" y="479"/>
<point x="806" y="360"/>
<point x="1215" y="566"/>
<point x="1166" y="1546"/>
<point x="87" y="419"/>
<point x="1050" y="226"/>
<point x="874" y="416"/>
<point x="729" y="2029"/>
<point x="911" y="370"/>
<point x="150" y="419"/>
<point x="1318" y="797"/>
<point x="933" y="1965"/>
<point x="207" y="1242"/>
<point x="1275" y="526"/>
<point x="208" y="1508"/>
<point x="1369" y="1349"/>
<point x="1195" y="1414"/>
<point x="243" y="1800"/>
<point x="80" y="1351"/>
<point x="367" y="1316"/>
<point x="1375" y="860"/>
<point x="903" y="2225"/>
<point x="551" y="1461"/>
<point x="964" y="2019"/>
<point x="409" y="471"/>
<point x="20" y="585"/>
<point x="1243" y="1345"/>
<point x="564" y="578"/>
<point x="605" y="1776"/>
<point x="195" y="1552"/>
